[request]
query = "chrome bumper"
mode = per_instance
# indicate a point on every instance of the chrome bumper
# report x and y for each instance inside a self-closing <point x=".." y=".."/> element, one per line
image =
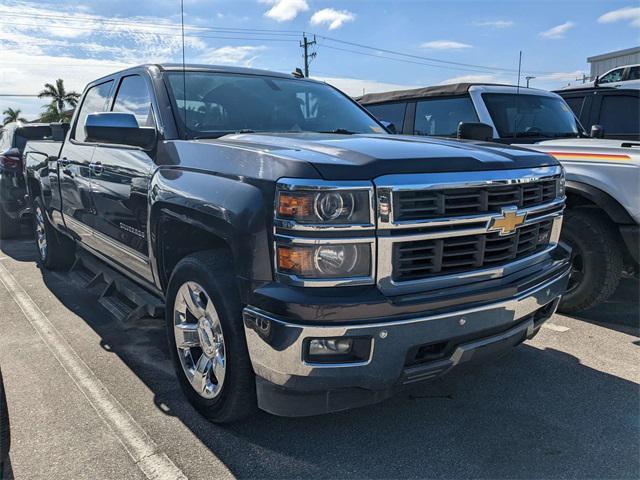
<point x="276" y="346"/>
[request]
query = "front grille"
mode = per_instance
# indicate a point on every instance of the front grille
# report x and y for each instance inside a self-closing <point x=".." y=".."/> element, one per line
<point x="427" y="204"/>
<point x="419" y="259"/>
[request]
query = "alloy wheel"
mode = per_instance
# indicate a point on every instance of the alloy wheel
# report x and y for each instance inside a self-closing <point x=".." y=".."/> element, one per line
<point x="41" y="233"/>
<point x="199" y="340"/>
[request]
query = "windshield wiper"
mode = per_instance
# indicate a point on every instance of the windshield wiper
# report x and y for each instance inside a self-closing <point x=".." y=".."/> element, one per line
<point x="531" y="135"/>
<point x="340" y="131"/>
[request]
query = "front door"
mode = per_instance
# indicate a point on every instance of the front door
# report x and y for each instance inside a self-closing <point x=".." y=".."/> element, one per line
<point x="74" y="168"/>
<point x="120" y="178"/>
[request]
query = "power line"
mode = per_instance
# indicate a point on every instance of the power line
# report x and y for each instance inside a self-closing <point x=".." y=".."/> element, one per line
<point x="420" y="57"/>
<point x="79" y="18"/>
<point x="404" y="60"/>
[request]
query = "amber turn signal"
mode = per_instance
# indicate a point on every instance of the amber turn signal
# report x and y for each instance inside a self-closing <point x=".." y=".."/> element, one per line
<point x="295" y="260"/>
<point x="295" y="205"/>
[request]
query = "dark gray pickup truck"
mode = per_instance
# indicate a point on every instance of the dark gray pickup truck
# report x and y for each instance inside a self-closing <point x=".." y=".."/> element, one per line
<point x="308" y="261"/>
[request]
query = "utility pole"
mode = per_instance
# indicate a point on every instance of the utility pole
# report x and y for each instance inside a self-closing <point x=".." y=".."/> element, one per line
<point x="305" y="44"/>
<point x="528" y="79"/>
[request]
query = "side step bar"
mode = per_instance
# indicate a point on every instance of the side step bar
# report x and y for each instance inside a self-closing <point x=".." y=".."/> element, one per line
<point x="120" y="296"/>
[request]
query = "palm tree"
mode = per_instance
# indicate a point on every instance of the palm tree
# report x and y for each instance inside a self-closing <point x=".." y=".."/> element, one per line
<point x="59" y="97"/>
<point x="11" y="115"/>
<point x="52" y="114"/>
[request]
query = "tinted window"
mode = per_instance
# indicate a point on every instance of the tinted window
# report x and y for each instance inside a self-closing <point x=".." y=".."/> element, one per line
<point x="218" y="104"/>
<point x="634" y="73"/>
<point x="133" y="97"/>
<point x="94" y="101"/>
<point x="390" y="112"/>
<point x="613" y="76"/>
<point x="575" y="103"/>
<point x="530" y="115"/>
<point x="620" y="114"/>
<point x="441" y="116"/>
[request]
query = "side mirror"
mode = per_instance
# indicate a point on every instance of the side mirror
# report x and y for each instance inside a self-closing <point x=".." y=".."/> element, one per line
<point x="475" y="131"/>
<point x="118" y="129"/>
<point x="391" y="128"/>
<point x="597" y="131"/>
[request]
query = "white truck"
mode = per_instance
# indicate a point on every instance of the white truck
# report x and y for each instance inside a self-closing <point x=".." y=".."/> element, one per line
<point x="603" y="176"/>
<point x="603" y="215"/>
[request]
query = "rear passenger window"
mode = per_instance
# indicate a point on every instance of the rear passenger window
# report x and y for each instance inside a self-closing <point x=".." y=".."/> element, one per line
<point x="133" y="97"/>
<point x="390" y="112"/>
<point x="94" y="101"/>
<point x="634" y="73"/>
<point x="441" y="116"/>
<point x="620" y="114"/>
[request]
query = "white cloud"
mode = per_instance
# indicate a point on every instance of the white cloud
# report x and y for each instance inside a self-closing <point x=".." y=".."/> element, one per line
<point x="331" y="17"/>
<point x="630" y="14"/>
<point x="558" y="31"/>
<point x="285" y="10"/>
<point x="243" y="55"/>
<point x="480" y="78"/>
<point x="495" y="23"/>
<point x="445" y="45"/>
<point x="355" y="87"/>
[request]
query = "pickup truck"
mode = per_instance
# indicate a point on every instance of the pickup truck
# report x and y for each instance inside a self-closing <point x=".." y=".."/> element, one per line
<point x="602" y="220"/>
<point x="308" y="261"/>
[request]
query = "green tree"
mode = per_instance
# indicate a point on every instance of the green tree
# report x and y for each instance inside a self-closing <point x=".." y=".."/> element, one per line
<point x="11" y="115"/>
<point x="60" y="99"/>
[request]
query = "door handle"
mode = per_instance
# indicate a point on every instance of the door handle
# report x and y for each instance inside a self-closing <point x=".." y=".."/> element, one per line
<point x="96" y="168"/>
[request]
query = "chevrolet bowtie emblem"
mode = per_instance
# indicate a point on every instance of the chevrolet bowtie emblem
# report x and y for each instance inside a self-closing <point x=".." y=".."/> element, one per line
<point x="508" y="222"/>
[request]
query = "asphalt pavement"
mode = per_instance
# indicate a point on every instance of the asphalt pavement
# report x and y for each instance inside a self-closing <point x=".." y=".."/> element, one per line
<point x="93" y="397"/>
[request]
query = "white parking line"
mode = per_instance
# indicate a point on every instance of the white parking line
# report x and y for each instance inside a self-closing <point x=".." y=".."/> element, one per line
<point x="155" y="464"/>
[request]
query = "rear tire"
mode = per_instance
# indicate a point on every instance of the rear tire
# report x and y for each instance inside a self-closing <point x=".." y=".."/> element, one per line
<point x="203" y="306"/>
<point x="596" y="259"/>
<point x="9" y="227"/>
<point x="56" y="252"/>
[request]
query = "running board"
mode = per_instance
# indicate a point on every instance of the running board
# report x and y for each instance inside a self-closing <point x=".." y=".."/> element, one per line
<point x="120" y="296"/>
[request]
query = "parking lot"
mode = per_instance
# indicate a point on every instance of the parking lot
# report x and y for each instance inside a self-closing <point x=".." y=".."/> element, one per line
<point x="92" y="397"/>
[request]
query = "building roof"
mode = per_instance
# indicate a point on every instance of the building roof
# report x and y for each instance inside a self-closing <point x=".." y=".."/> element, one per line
<point x="617" y="53"/>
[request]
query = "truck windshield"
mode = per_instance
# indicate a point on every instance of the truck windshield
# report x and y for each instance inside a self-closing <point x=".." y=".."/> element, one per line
<point x="531" y="116"/>
<point x="219" y="103"/>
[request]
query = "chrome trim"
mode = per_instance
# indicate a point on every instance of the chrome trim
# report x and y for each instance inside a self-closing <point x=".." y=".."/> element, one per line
<point x="326" y="282"/>
<point x="296" y="184"/>
<point x="387" y="185"/>
<point x="280" y="362"/>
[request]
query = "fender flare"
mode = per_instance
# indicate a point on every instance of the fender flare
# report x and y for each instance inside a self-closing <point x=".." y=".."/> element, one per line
<point x="606" y="202"/>
<point x="233" y="211"/>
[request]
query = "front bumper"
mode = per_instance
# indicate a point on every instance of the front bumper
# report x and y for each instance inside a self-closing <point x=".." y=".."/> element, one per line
<point x="289" y="385"/>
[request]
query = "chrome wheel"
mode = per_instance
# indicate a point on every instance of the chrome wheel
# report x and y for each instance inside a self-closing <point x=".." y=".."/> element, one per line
<point x="41" y="233"/>
<point x="199" y="340"/>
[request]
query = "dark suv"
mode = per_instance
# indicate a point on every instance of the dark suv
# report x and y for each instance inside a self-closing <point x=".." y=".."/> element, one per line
<point x="616" y="110"/>
<point x="13" y="206"/>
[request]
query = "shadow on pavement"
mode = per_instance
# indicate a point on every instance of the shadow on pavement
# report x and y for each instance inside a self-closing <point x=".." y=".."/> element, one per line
<point x="621" y="312"/>
<point x="532" y="414"/>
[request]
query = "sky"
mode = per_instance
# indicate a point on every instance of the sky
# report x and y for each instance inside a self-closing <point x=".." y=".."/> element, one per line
<point x="362" y="46"/>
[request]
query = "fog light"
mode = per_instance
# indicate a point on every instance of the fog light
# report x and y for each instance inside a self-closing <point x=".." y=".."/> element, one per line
<point x="328" y="346"/>
<point x="337" y="350"/>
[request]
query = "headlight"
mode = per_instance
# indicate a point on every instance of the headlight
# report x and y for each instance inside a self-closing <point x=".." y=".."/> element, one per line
<point x="314" y="203"/>
<point x="325" y="261"/>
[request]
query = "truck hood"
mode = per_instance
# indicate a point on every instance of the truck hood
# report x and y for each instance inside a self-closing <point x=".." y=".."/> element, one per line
<point x="364" y="157"/>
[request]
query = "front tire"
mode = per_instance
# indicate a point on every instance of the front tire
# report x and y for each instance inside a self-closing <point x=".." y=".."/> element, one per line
<point x="56" y="252"/>
<point x="596" y="259"/>
<point x="206" y="338"/>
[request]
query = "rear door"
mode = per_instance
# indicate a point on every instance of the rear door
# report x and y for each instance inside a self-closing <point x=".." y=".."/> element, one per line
<point x="120" y="180"/>
<point x="73" y="166"/>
